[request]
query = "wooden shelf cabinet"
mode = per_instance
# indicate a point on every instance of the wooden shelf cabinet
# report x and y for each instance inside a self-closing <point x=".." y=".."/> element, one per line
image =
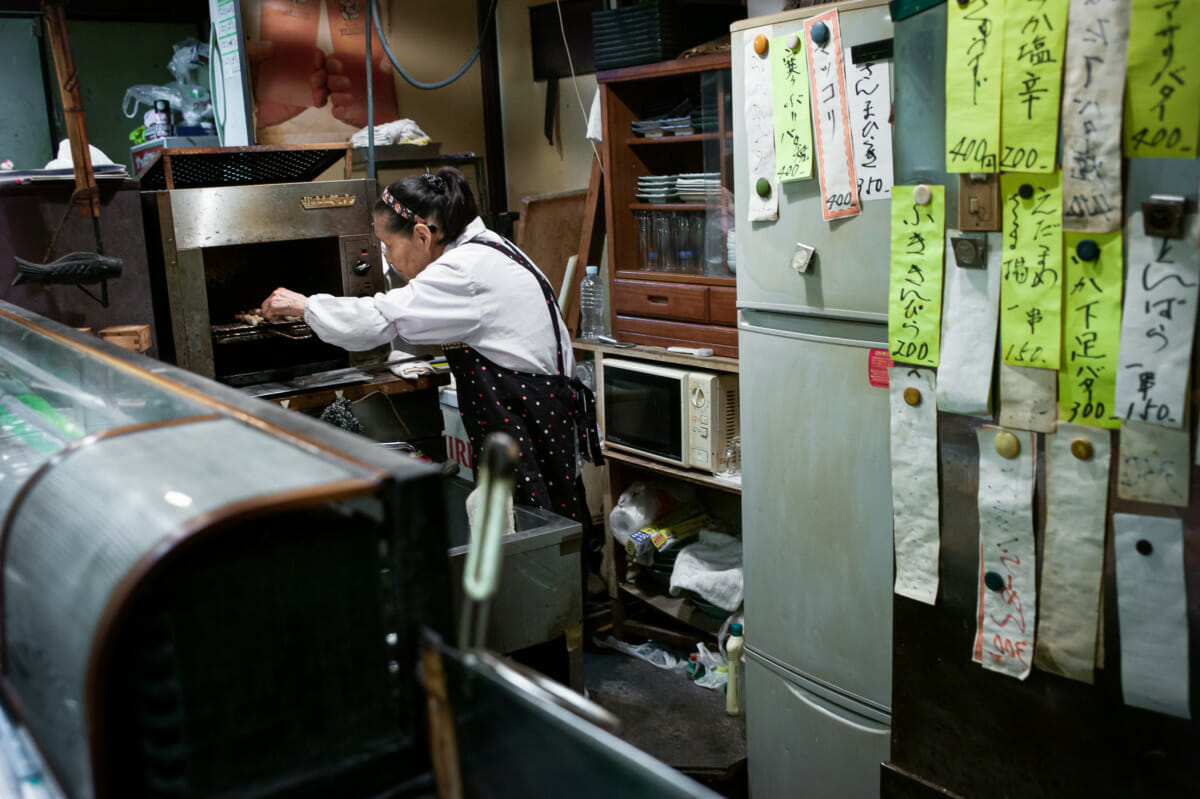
<point x="676" y="307"/>
<point x="721" y="495"/>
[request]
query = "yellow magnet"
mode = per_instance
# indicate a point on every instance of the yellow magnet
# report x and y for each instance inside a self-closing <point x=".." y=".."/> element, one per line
<point x="912" y="396"/>
<point x="1008" y="445"/>
<point x="1082" y="448"/>
<point x="760" y="44"/>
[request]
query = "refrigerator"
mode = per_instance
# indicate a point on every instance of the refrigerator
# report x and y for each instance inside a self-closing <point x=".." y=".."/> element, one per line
<point x="816" y="487"/>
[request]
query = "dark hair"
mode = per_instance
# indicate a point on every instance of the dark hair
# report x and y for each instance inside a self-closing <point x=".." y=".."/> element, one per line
<point x="442" y="200"/>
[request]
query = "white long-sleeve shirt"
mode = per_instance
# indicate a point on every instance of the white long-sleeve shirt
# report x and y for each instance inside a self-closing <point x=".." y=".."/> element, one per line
<point x="472" y="294"/>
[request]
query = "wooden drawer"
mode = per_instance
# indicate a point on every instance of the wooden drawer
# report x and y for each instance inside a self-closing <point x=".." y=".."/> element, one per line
<point x="655" y="332"/>
<point x="666" y="300"/>
<point x="722" y="306"/>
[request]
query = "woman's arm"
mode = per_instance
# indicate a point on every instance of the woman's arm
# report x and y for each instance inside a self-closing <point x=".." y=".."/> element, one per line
<point x="437" y="307"/>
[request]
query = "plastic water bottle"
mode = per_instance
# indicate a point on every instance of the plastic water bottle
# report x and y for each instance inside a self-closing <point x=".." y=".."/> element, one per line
<point x="591" y="304"/>
<point x="733" y="688"/>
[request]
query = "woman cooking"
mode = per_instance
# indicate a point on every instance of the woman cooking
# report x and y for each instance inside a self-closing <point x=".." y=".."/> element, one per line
<point x="476" y="294"/>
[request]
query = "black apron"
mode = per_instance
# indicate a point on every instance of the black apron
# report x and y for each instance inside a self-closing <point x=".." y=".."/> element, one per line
<point x="549" y="416"/>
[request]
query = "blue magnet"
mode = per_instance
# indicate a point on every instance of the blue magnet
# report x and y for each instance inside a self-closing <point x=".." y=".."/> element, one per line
<point x="994" y="581"/>
<point x="1087" y="250"/>
<point x="1144" y="547"/>
<point x="820" y="33"/>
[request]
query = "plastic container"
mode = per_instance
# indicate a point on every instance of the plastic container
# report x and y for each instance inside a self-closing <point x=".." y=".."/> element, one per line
<point x="733" y="651"/>
<point x="591" y="305"/>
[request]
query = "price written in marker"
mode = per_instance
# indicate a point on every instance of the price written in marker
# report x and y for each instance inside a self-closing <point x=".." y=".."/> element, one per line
<point x="1031" y="270"/>
<point x="974" y="34"/>
<point x="915" y="290"/>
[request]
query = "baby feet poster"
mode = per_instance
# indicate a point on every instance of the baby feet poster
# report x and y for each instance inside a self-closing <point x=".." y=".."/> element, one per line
<point x="307" y="61"/>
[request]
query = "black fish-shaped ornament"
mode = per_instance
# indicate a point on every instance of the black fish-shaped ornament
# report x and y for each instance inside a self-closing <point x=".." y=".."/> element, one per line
<point x="77" y="268"/>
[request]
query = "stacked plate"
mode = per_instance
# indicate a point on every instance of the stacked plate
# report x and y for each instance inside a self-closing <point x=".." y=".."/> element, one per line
<point x="699" y="187"/>
<point x="654" y="128"/>
<point x="656" y="188"/>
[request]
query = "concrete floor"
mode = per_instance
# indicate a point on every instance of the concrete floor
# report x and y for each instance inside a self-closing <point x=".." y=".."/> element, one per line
<point x="666" y="715"/>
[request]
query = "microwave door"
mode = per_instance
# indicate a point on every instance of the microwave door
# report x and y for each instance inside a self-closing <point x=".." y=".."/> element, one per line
<point x="643" y="408"/>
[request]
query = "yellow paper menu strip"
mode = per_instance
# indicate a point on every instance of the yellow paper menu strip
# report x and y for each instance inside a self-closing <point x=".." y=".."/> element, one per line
<point x="1034" y="43"/>
<point x="793" y="113"/>
<point x="915" y="291"/>
<point x="1162" y="101"/>
<point x="1087" y="381"/>
<point x="1031" y="269"/>
<point x="974" y="50"/>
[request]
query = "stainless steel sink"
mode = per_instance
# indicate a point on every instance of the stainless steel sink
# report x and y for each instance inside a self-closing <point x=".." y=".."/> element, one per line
<point x="539" y="598"/>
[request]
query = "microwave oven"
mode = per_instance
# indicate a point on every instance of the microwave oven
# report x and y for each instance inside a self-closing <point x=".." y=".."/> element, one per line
<point x="677" y="416"/>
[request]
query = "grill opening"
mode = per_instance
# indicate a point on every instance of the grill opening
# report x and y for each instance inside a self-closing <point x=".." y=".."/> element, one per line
<point x="239" y="277"/>
<point x="258" y="662"/>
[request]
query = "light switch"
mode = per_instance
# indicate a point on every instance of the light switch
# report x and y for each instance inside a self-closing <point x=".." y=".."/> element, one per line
<point x="978" y="202"/>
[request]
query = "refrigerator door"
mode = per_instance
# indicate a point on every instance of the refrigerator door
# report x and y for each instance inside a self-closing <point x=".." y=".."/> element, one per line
<point x="849" y="274"/>
<point x="816" y="501"/>
<point x="805" y="744"/>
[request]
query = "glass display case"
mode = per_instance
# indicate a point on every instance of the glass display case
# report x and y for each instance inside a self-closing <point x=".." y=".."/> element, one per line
<point x="184" y="564"/>
<point x="204" y="594"/>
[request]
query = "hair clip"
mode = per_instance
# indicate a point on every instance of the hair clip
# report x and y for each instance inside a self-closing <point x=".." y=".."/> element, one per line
<point x="434" y="182"/>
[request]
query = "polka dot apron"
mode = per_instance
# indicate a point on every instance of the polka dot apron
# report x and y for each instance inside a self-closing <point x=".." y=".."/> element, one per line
<point x="547" y="415"/>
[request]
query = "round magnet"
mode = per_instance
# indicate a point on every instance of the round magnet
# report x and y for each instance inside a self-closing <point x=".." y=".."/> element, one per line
<point x="760" y="44"/>
<point x="994" y="581"/>
<point x="1087" y="250"/>
<point x="763" y="187"/>
<point x="1082" y="448"/>
<point x="793" y="41"/>
<point x="1144" y="547"/>
<point x="912" y="396"/>
<point x="1026" y="191"/>
<point x="1008" y="445"/>
<point x="922" y="195"/>
<point x="964" y="3"/>
<point x="819" y="33"/>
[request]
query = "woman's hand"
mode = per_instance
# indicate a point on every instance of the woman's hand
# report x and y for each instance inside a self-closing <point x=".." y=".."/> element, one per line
<point x="283" y="304"/>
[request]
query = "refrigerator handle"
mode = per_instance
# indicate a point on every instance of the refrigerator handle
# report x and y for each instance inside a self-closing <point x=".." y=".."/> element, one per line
<point x="870" y="729"/>
<point x="775" y="331"/>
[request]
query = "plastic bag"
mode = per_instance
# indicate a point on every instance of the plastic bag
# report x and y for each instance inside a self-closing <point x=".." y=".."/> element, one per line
<point x="713" y="677"/>
<point x="654" y="653"/>
<point x="186" y="96"/>
<point x="642" y="503"/>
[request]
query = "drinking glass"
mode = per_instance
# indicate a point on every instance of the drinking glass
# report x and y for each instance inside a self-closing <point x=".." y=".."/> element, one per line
<point x="663" y="240"/>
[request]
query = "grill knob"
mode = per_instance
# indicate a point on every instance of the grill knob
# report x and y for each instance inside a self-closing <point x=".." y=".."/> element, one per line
<point x="361" y="267"/>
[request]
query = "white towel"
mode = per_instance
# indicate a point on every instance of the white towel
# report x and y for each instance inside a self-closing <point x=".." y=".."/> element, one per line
<point x="595" y="128"/>
<point x="712" y="567"/>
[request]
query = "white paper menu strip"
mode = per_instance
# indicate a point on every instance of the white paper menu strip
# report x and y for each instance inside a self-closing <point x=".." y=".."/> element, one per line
<point x="869" y="91"/>
<point x="1153" y="464"/>
<point x="1093" y="88"/>
<point x="759" y="111"/>
<point x="1028" y="398"/>
<point x="1152" y="613"/>
<point x="1007" y="589"/>
<point x="970" y="314"/>
<point x="1157" y="323"/>
<point x="914" y="482"/>
<point x="1073" y="550"/>
<point x="831" y="119"/>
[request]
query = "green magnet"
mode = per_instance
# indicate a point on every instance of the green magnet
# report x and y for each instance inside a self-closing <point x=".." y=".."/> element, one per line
<point x="763" y="187"/>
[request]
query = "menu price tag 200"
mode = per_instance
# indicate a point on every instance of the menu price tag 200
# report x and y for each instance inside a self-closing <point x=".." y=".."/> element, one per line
<point x="915" y="290"/>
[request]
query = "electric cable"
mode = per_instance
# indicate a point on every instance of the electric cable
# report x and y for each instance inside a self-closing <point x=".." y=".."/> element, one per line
<point x="575" y="82"/>
<point x="387" y="48"/>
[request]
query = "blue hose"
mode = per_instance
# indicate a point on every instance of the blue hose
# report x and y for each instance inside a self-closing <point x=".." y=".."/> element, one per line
<point x="387" y="48"/>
